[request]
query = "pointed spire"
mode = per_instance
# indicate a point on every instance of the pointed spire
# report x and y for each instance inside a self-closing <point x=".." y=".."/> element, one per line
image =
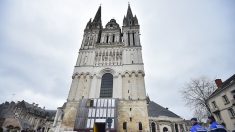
<point x="88" y="25"/>
<point x="98" y="15"/>
<point x="129" y="12"/>
<point x="129" y="19"/>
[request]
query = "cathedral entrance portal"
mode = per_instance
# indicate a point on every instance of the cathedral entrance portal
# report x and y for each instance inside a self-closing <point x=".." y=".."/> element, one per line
<point x="99" y="127"/>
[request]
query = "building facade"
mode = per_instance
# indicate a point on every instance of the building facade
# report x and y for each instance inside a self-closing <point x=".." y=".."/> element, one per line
<point x="107" y="92"/>
<point x="222" y="102"/>
<point x="163" y="120"/>
<point x="24" y="116"/>
<point x="108" y="80"/>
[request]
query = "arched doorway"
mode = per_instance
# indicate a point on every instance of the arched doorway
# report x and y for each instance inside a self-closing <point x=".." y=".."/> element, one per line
<point x="153" y="127"/>
<point x="165" y="129"/>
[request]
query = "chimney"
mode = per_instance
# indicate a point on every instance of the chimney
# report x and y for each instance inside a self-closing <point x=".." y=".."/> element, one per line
<point x="36" y="105"/>
<point x="218" y="83"/>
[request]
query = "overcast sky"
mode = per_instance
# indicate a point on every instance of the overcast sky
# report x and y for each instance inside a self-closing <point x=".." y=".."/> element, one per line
<point x="181" y="40"/>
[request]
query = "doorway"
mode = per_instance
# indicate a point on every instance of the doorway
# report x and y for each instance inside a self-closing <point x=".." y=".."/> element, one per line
<point x="99" y="127"/>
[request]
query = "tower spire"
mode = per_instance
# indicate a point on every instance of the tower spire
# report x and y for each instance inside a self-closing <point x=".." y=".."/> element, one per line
<point x="129" y="12"/>
<point x="98" y="15"/>
<point x="129" y="19"/>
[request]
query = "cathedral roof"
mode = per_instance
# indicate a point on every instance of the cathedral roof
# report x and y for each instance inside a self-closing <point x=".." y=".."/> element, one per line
<point x="156" y="110"/>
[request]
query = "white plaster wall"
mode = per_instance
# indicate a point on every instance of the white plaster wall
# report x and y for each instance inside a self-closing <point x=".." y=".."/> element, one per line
<point x="223" y="107"/>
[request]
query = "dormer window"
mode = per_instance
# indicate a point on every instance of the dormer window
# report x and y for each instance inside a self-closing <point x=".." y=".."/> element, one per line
<point x="111" y="25"/>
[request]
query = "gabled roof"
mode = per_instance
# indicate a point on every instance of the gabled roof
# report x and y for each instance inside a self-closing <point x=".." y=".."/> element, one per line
<point x="224" y="85"/>
<point x="156" y="110"/>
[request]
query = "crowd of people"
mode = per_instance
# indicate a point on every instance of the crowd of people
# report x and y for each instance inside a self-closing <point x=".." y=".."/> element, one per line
<point x="213" y="127"/>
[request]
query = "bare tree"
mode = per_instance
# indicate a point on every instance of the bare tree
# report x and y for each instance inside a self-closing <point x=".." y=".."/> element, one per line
<point x="195" y="94"/>
<point x="200" y="113"/>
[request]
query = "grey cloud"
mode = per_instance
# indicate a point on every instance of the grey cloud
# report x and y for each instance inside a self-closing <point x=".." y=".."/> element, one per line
<point x="181" y="40"/>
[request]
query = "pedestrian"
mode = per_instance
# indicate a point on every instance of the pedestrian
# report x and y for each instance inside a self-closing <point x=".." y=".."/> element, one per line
<point x="196" y="127"/>
<point x="215" y="126"/>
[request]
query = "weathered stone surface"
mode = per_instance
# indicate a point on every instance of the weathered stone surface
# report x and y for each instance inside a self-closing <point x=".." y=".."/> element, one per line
<point x="133" y="112"/>
<point x="70" y="113"/>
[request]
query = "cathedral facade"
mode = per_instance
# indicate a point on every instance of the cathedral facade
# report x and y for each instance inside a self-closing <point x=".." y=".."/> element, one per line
<point x="108" y="92"/>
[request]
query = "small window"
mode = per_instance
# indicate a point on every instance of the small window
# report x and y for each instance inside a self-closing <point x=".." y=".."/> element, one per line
<point x="140" y="126"/>
<point x="218" y="115"/>
<point x="133" y="35"/>
<point x="113" y="38"/>
<point x="130" y="109"/>
<point x="214" y="104"/>
<point x="107" y="39"/>
<point x="130" y="119"/>
<point x="91" y="103"/>
<point x="231" y="112"/>
<point x="124" y="125"/>
<point x="225" y="99"/>
<point x="233" y="91"/>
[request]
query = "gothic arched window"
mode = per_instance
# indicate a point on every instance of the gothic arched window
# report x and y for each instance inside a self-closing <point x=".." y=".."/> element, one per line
<point x="153" y="127"/>
<point x="106" y="90"/>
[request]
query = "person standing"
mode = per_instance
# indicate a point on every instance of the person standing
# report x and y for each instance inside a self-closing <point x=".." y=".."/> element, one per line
<point x="196" y="127"/>
<point x="214" y="126"/>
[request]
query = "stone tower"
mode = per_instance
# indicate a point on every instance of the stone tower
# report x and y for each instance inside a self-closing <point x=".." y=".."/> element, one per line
<point x="108" y="87"/>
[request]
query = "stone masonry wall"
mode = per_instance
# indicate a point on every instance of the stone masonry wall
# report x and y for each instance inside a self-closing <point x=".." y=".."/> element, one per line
<point x="133" y="112"/>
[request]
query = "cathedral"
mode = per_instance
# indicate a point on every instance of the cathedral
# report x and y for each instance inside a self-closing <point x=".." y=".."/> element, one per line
<point x="108" y="92"/>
